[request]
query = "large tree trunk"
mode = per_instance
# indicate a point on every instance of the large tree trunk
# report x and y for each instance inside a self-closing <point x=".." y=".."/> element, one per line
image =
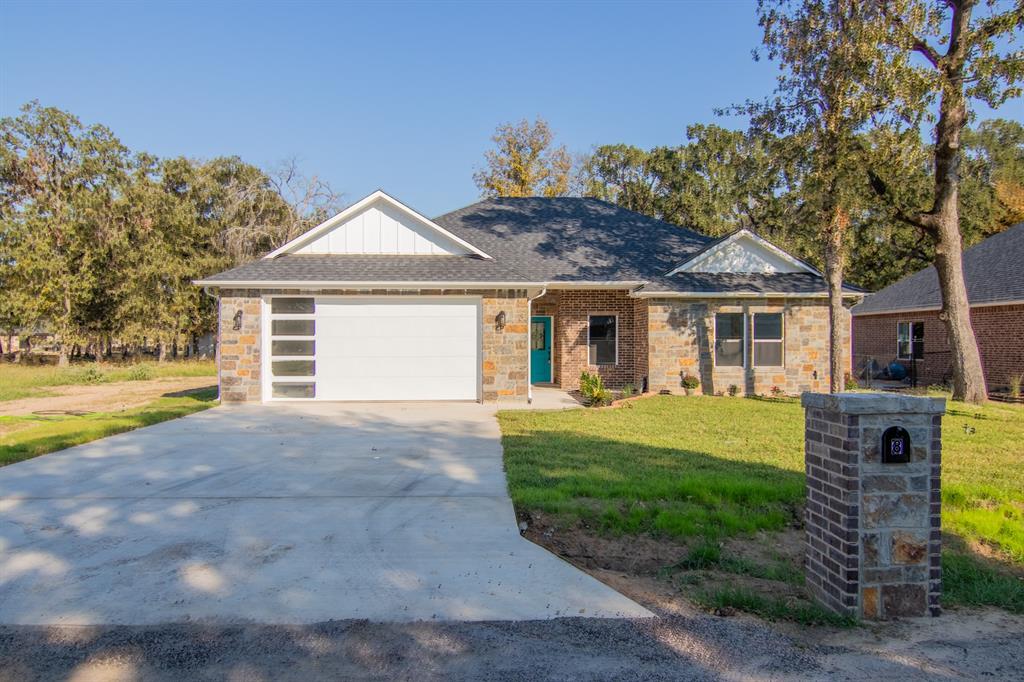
<point x="968" y="376"/>
<point x="834" y="275"/>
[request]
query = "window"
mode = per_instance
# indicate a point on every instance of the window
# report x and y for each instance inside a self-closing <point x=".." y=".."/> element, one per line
<point x="538" y="340"/>
<point x="768" y="340"/>
<point x="292" y="306"/>
<point x="909" y="340"/>
<point x="292" y="347"/>
<point x="730" y="338"/>
<point x="603" y="340"/>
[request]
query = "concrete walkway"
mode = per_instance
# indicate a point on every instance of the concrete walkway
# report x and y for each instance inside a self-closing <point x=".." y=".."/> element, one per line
<point x="282" y="514"/>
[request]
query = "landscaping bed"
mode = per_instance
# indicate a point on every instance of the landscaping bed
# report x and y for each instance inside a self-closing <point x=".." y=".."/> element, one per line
<point x="703" y="497"/>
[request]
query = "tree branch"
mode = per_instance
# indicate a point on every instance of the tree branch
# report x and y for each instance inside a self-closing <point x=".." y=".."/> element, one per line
<point x="918" y="45"/>
<point x="922" y="220"/>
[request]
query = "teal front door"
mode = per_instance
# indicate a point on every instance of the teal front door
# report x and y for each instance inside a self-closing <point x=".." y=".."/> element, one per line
<point x="540" y="349"/>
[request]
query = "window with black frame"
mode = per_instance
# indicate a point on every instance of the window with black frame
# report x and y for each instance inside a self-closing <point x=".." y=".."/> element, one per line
<point x="730" y="338"/>
<point x="602" y="340"/>
<point x="909" y="340"/>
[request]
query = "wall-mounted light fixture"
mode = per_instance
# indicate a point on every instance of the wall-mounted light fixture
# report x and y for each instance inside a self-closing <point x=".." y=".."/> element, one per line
<point x="499" y="321"/>
<point x="238" y="321"/>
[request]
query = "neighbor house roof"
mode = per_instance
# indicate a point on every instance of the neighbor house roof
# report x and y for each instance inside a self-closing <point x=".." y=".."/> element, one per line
<point x="538" y="241"/>
<point x="992" y="270"/>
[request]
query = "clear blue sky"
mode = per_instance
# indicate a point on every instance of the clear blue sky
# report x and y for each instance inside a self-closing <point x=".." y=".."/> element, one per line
<point x="402" y="96"/>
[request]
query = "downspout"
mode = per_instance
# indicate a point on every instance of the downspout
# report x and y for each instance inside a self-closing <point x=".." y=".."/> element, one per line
<point x="216" y="340"/>
<point x="529" y="322"/>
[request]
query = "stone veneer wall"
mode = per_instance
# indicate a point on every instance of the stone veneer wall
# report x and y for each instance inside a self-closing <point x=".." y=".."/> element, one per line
<point x="681" y="339"/>
<point x="503" y="362"/>
<point x="872" y="529"/>
<point x="238" y="352"/>
<point x="571" y="309"/>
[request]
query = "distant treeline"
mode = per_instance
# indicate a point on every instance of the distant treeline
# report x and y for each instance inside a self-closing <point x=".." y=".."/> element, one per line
<point x="100" y="243"/>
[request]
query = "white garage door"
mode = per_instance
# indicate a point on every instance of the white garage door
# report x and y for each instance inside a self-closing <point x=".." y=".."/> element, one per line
<point x="380" y="349"/>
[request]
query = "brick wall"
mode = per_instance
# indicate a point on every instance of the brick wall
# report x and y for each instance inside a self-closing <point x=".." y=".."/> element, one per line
<point x="238" y="351"/>
<point x="873" y="536"/>
<point x="504" y="357"/>
<point x="571" y="310"/>
<point x="681" y="339"/>
<point x="999" y="330"/>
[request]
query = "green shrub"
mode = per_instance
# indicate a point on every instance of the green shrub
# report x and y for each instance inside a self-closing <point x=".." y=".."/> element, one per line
<point x="628" y="391"/>
<point x="733" y="390"/>
<point x="90" y="375"/>
<point x="690" y="382"/>
<point x="593" y="390"/>
<point x="1015" y="382"/>
<point x="140" y="373"/>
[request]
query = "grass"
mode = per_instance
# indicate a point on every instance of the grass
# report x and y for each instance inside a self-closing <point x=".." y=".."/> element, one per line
<point x="772" y="608"/>
<point x="703" y="469"/>
<point x="31" y="381"/>
<point x="31" y="436"/>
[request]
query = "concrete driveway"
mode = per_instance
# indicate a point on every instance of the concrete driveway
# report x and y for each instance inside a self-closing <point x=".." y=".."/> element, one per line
<point x="283" y="514"/>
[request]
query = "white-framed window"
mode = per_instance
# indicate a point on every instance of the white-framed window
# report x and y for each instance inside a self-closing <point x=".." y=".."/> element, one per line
<point x="909" y="340"/>
<point x="292" y="347"/>
<point x="603" y="339"/>
<point x="768" y="340"/>
<point x="730" y="339"/>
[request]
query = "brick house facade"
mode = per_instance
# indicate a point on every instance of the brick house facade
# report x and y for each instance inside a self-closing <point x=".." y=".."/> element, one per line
<point x="381" y="303"/>
<point x="999" y="330"/>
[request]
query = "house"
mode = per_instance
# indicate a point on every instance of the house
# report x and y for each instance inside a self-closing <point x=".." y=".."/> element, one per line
<point x="382" y="303"/>
<point x="901" y="322"/>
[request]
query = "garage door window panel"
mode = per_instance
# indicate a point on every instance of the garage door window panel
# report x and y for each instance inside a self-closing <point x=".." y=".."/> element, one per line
<point x="285" y="305"/>
<point x="289" y="347"/>
<point x="293" y="328"/>
<point x="304" y="389"/>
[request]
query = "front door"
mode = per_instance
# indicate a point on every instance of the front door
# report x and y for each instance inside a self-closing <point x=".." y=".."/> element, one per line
<point x="540" y="349"/>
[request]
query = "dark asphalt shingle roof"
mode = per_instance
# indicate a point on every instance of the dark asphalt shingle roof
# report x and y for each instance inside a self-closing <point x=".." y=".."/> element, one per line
<point x="370" y="268"/>
<point x="993" y="270"/>
<point x="536" y="239"/>
<point x="572" y="239"/>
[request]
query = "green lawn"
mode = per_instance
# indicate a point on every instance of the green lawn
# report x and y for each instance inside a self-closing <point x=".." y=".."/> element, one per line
<point x="26" y="437"/>
<point x="704" y="469"/>
<point x="27" y="381"/>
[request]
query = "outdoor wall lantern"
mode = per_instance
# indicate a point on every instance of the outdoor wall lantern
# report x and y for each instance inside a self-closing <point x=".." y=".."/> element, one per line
<point x="238" y="321"/>
<point x="499" y="321"/>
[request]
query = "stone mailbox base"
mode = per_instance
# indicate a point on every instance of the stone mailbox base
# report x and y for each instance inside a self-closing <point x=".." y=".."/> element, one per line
<point x="873" y="527"/>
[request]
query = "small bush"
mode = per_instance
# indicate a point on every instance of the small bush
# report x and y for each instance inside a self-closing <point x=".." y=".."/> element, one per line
<point x="733" y="390"/>
<point x="140" y="373"/>
<point x="593" y="390"/>
<point x="776" y="391"/>
<point x="90" y="375"/>
<point x="1015" y="382"/>
<point x="850" y="381"/>
<point x="628" y="391"/>
<point x="690" y="382"/>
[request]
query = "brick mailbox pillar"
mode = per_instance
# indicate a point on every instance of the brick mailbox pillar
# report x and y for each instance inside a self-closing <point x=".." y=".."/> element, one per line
<point x="873" y="503"/>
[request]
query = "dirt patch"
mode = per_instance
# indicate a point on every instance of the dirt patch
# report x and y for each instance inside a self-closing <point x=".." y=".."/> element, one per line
<point x="633" y="555"/>
<point x="112" y="397"/>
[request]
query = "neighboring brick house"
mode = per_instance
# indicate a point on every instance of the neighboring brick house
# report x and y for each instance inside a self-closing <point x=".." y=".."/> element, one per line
<point x="901" y="323"/>
<point x="382" y="303"/>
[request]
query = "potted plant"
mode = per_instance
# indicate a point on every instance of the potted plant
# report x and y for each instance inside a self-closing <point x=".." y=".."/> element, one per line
<point x="690" y="382"/>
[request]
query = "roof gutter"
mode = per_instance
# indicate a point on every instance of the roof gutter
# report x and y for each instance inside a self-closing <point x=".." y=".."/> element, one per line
<point x="936" y="308"/>
<point x="737" y="294"/>
<point x="349" y="284"/>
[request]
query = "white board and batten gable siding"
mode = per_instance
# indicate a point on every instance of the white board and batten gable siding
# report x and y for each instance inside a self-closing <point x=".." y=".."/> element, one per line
<point x="379" y="224"/>
<point x="744" y="252"/>
<point x="381" y="229"/>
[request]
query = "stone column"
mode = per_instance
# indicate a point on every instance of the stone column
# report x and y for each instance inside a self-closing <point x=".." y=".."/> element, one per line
<point x="873" y="525"/>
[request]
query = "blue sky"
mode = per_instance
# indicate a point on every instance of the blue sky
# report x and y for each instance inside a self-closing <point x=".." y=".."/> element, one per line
<point x="398" y="96"/>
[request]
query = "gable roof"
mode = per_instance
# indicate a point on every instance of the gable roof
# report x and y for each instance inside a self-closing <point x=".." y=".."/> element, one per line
<point x="695" y="262"/>
<point x="535" y="241"/>
<point x="992" y="269"/>
<point x="378" y="196"/>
